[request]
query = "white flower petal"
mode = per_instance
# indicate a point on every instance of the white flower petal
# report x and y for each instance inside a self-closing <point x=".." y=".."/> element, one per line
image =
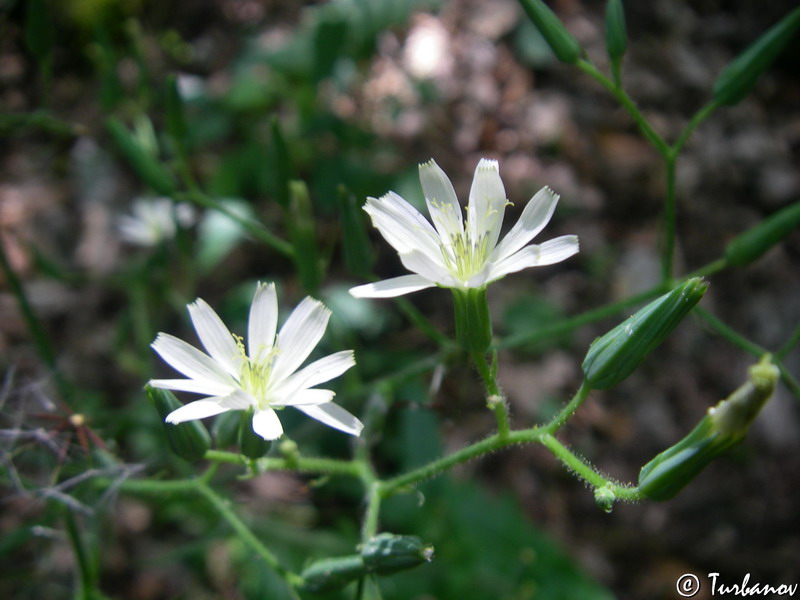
<point x="238" y="400"/>
<point x="299" y="336"/>
<point x="402" y="225"/>
<point x="263" y="321"/>
<point x="215" y="336"/>
<point x="548" y="253"/>
<point x="390" y="288"/>
<point x="192" y="385"/>
<point x="533" y="219"/>
<point x="317" y="372"/>
<point x="442" y="201"/>
<point x="421" y="264"/>
<point x="190" y="361"/>
<point x="267" y="424"/>
<point x="487" y="203"/>
<point x="333" y="415"/>
<point x="309" y="397"/>
<point x="199" y="409"/>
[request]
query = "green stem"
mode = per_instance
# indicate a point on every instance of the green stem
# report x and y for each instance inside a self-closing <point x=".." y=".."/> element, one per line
<point x="87" y="580"/>
<point x="670" y="216"/>
<point x="622" y="97"/>
<point x="419" y="320"/>
<point x="254" y="228"/>
<point x="369" y="527"/>
<point x="583" y="319"/>
<point x="700" y="116"/>
<point x="34" y="325"/>
<point x="495" y="398"/>
<point x="585" y="471"/>
<point x="438" y="466"/>
<point x="569" y="409"/>
<point x="714" y="266"/>
<point x="790" y="343"/>
<point x="300" y="464"/>
<point x="200" y="486"/>
<point x="245" y="534"/>
<point x="728" y="333"/>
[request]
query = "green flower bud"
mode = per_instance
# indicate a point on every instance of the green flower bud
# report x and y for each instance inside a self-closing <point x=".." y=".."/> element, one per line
<point x="251" y="444"/>
<point x="331" y="574"/>
<point x="561" y="42"/>
<point x="724" y="426"/>
<point x="754" y="242"/>
<point x="616" y="32"/>
<point x="734" y="415"/>
<point x="614" y="356"/>
<point x="740" y="75"/>
<point x="605" y="497"/>
<point x="473" y="322"/>
<point x="387" y="553"/>
<point x="189" y="440"/>
<point x="143" y="162"/>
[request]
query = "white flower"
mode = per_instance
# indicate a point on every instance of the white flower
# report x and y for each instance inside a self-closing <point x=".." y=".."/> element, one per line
<point x="263" y="376"/>
<point x="154" y="220"/>
<point x="454" y="255"/>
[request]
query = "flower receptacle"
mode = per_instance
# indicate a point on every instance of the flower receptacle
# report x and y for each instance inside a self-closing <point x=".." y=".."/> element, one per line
<point x="473" y="321"/>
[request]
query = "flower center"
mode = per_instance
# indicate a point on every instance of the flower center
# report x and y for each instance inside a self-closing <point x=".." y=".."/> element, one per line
<point x="464" y="256"/>
<point x="467" y="251"/>
<point x="255" y="371"/>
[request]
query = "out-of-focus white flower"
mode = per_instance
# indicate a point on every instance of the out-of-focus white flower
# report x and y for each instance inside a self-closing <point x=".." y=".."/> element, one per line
<point x="456" y="255"/>
<point x="154" y="220"/>
<point x="262" y="376"/>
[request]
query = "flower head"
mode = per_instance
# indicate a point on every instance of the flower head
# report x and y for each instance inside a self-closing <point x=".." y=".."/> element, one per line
<point x="454" y="254"/>
<point x="261" y="376"/>
<point x="154" y="220"/>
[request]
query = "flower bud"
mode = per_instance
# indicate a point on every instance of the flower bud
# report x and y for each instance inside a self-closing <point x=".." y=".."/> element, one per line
<point x="616" y="32"/>
<point x="388" y="553"/>
<point x="724" y="426"/>
<point x="251" y="444"/>
<point x="614" y="356"/>
<point x="734" y="415"/>
<point x="189" y="440"/>
<point x="740" y="75"/>
<point x="754" y="242"/>
<point x="331" y="574"/>
<point x="473" y="322"/>
<point x="561" y="42"/>
<point x="604" y="497"/>
<point x="146" y="165"/>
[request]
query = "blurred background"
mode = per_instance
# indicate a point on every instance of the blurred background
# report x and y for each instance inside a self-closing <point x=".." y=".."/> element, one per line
<point x="349" y="96"/>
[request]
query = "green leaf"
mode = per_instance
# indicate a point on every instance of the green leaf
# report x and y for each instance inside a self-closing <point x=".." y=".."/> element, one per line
<point x="176" y="119"/>
<point x="283" y="163"/>
<point x="358" y="253"/>
<point x="738" y="78"/>
<point x="303" y="237"/>
<point x="561" y="42"/>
